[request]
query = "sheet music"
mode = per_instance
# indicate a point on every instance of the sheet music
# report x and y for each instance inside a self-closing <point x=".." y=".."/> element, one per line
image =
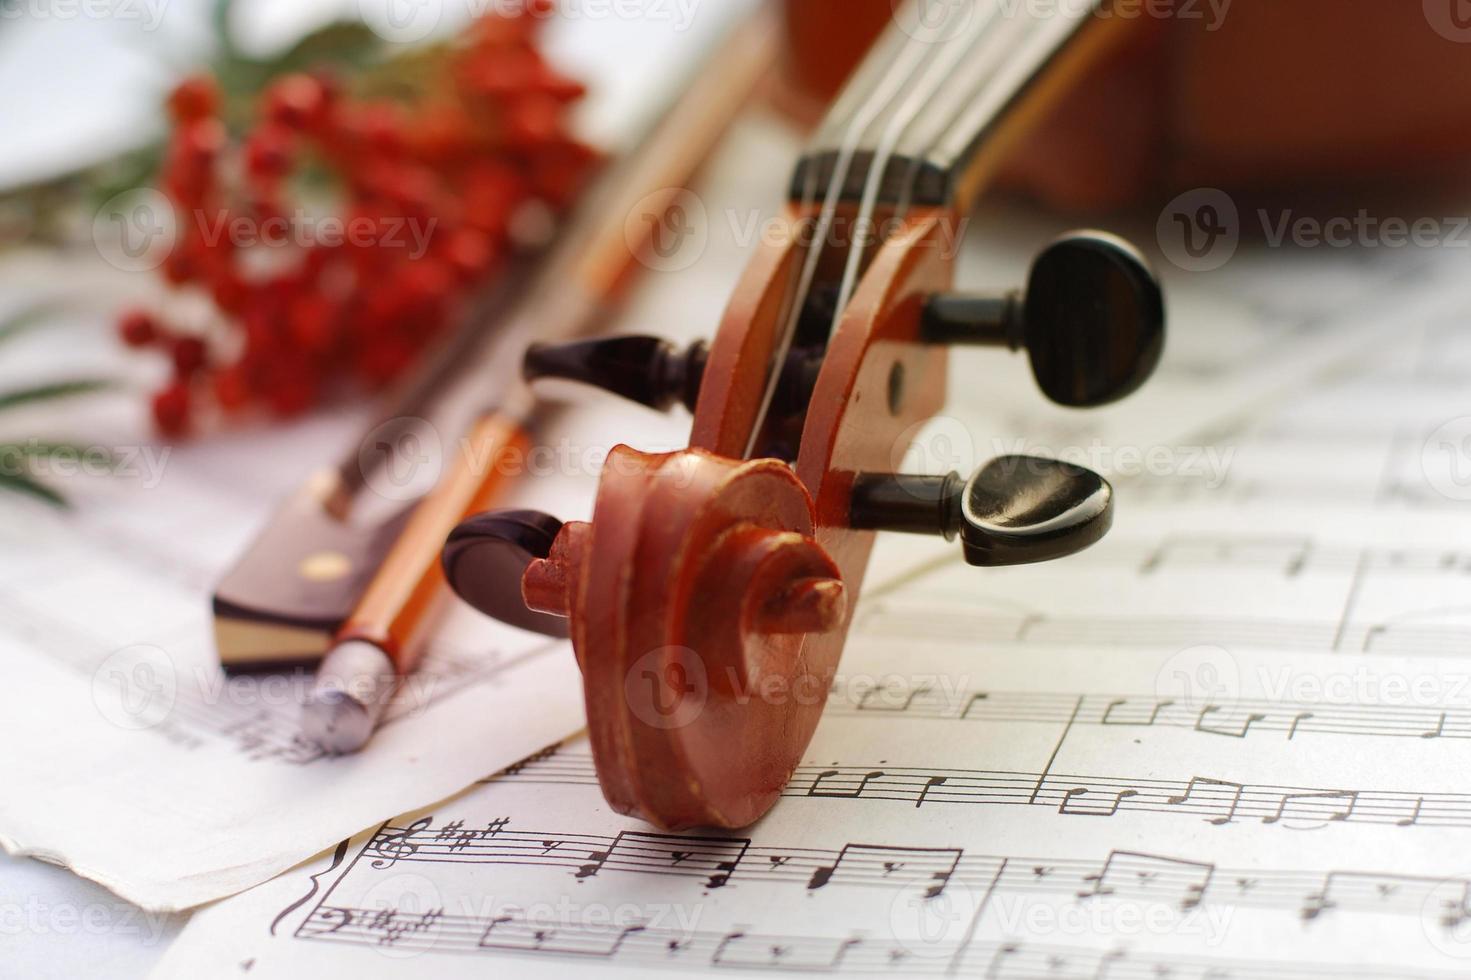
<point x="1218" y="745"/>
<point x="143" y="770"/>
<point x="1333" y="522"/>
<point x="963" y="811"/>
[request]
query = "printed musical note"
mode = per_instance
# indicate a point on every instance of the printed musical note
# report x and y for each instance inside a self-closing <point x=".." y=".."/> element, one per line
<point x="1108" y="808"/>
<point x="934" y="782"/>
<point x="1304" y="807"/>
<point x="865" y="864"/>
<point x="834" y="784"/>
<point x="875" y="699"/>
<point x="1210" y="799"/>
<point x="1134" y="873"/>
<point x="714" y="859"/>
<point x="1238" y="731"/>
<point x="1157" y="706"/>
<point x="396" y="844"/>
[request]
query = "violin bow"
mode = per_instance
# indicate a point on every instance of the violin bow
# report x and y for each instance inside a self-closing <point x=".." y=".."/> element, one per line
<point x="710" y="595"/>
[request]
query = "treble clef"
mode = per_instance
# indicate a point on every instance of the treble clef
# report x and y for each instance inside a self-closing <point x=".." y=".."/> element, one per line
<point x="394" y="845"/>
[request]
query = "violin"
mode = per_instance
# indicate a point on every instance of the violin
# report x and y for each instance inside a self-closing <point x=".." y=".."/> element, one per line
<point x="709" y="597"/>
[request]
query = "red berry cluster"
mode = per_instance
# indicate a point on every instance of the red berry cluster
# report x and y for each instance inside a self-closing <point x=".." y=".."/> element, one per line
<point x="429" y="187"/>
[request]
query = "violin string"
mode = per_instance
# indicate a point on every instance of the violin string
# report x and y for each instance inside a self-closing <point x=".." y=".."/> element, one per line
<point x="989" y="60"/>
<point x="986" y="82"/>
<point x="938" y="73"/>
<point x="890" y="86"/>
<point x="1047" y="36"/>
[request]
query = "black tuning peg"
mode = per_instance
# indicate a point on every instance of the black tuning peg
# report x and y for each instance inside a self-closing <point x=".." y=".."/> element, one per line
<point x="647" y="370"/>
<point x="1092" y="319"/>
<point x="1015" y="510"/>
<point x="485" y="557"/>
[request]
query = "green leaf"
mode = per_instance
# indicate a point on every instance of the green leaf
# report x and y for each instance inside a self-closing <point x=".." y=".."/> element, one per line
<point x="345" y="43"/>
<point x="36" y="449"/>
<point x="31" y="487"/>
<point x="25" y="319"/>
<point x="48" y="392"/>
<point x="219" y="21"/>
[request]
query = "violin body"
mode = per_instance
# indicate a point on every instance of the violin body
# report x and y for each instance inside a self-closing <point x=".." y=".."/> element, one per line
<point x="710" y="596"/>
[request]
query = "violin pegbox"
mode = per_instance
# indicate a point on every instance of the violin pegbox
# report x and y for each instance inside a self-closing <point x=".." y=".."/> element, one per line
<point x="1092" y="322"/>
<point x="709" y="597"/>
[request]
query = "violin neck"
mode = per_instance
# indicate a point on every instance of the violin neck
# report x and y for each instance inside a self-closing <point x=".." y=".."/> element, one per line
<point x="921" y="120"/>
